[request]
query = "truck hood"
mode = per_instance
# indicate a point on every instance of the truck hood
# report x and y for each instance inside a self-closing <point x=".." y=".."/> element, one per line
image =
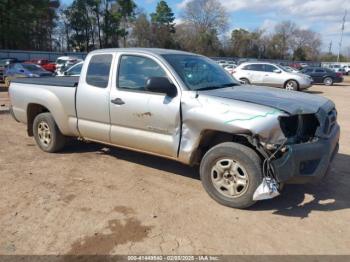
<point x="291" y="102"/>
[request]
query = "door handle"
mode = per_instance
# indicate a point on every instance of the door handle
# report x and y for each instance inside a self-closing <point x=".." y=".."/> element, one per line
<point x="118" y="101"/>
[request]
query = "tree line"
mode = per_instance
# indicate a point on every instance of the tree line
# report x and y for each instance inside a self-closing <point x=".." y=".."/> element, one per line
<point x="202" y="27"/>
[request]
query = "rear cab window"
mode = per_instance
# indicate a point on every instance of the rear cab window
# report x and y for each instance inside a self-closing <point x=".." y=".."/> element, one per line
<point x="98" y="70"/>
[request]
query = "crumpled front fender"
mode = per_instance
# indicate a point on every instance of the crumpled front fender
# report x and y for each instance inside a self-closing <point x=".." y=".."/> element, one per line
<point x="203" y="113"/>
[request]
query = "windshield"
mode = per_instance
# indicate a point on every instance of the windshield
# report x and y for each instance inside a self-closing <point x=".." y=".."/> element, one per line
<point x="200" y="73"/>
<point x="283" y="68"/>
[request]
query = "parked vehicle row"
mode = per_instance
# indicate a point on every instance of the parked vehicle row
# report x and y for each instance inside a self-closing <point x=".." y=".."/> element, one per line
<point x="11" y="68"/>
<point x="255" y="73"/>
<point x="44" y="63"/>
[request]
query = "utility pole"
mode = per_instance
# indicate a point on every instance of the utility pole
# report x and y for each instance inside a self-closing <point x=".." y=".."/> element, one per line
<point x="330" y="47"/>
<point x="341" y="36"/>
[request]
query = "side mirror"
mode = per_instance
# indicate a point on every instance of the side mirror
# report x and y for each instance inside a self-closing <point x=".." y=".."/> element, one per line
<point x="161" y="85"/>
<point x="278" y="71"/>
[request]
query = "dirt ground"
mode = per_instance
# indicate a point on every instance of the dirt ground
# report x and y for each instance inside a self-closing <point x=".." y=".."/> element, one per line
<point x="94" y="199"/>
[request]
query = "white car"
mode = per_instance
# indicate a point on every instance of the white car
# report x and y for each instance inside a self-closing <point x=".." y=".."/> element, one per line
<point x="63" y="62"/>
<point x="347" y="69"/>
<point x="223" y="63"/>
<point x="230" y="68"/>
<point x="74" y="70"/>
<point x="268" y="74"/>
<point x="337" y="69"/>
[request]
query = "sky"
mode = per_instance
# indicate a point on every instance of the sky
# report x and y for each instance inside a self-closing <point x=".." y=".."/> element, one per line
<point x="322" y="16"/>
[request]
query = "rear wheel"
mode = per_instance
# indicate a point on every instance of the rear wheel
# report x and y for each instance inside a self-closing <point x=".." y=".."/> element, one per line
<point x="230" y="173"/>
<point x="328" y="81"/>
<point x="46" y="133"/>
<point x="291" y="85"/>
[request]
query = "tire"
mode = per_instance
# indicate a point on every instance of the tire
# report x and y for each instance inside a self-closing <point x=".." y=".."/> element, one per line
<point x="46" y="133"/>
<point x="245" y="161"/>
<point x="244" y="81"/>
<point x="328" y="81"/>
<point x="291" y="85"/>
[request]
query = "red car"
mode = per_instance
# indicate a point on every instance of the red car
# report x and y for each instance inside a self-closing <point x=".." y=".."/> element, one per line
<point x="44" y="63"/>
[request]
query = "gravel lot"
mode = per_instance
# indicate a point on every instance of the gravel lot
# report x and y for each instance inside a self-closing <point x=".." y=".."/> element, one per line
<point x="94" y="199"/>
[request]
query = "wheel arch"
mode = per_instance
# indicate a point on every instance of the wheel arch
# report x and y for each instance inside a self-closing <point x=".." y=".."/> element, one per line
<point x="34" y="109"/>
<point x="210" y="138"/>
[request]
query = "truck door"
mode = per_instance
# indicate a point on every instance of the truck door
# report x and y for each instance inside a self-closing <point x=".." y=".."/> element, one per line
<point x="92" y="98"/>
<point x="142" y="120"/>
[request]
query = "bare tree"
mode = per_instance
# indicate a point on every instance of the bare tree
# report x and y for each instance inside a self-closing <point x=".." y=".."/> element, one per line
<point x="284" y="32"/>
<point x="308" y="41"/>
<point x="141" y="31"/>
<point x="206" y="15"/>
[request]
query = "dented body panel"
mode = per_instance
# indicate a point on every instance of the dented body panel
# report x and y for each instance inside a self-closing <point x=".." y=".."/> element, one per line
<point x="174" y="127"/>
<point x="202" y="112"/>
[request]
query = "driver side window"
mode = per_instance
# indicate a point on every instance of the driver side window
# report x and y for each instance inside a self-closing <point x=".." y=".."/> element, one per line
<point x="134" y="72"/>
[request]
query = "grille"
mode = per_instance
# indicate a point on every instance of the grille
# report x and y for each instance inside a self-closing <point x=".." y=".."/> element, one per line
<point x="300" y="127"/>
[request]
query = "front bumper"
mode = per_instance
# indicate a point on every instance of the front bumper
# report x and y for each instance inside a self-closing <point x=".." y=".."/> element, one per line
<point x="339" y="80"/>
<point x="305" y="84"/>
<point x="309" y="162"/>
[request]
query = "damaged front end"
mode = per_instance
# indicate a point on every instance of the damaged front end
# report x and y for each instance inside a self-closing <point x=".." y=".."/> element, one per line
<point x="312" y="141"/>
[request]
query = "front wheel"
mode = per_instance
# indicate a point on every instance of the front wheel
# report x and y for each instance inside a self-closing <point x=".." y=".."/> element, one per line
<point x="230" y="173"/>
<point x="292" y="85"/>
<point x="328" y="81"/>
<point x="46" y="133"/>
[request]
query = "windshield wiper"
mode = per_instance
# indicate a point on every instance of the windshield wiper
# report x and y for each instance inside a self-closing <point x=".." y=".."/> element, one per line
<point x="216" y="87"/>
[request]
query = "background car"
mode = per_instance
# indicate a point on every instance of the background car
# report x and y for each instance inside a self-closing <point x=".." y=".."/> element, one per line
<point x="74" y="70"/>
<point x="268" y="74"/>
<point x="291" y="69"/>
<point x="323" y="75"/>
<point x="4" y="63"/>
<point x="64" y="62"/>
<point x="223" y="63"/>
<point x="230" y="68"/>
<point x="24" y="70"/>
<point x="346" y="69"/>
<point x="337" y="69"/>
<point x="44" y="63"/>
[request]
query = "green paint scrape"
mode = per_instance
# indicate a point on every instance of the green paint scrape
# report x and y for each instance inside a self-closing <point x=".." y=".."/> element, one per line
<point x="253" y="117"/>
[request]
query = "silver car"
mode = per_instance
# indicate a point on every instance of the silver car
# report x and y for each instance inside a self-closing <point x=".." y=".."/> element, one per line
<point x="268" y="74"/>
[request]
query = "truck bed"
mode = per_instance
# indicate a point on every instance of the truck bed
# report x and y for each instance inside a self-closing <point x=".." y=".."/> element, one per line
<point x="56" y="94"/>
<point x="67" y="81"/>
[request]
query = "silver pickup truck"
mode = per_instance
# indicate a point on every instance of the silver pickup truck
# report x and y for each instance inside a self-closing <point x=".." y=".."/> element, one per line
<point x="247" y="140"/>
